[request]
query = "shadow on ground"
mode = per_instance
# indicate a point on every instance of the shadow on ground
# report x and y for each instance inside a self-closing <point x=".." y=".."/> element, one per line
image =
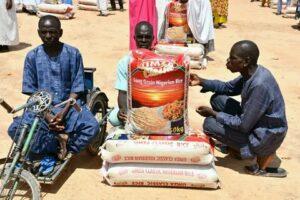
<point x="19" y="47"/>
<point x="297" y="27"/>
<point x="83" y="161"/>
<point x="232" y="163"/>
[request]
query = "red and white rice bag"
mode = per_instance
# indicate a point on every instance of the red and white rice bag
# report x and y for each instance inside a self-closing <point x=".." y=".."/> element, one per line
<point x="160" y="175"/>
<point x="157" y="151"/>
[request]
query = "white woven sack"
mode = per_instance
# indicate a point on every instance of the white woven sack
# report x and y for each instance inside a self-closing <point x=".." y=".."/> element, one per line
<point x="88" y="2"/>
<point x="87" y="7"/>
<point x="55" y="8"/>
<point x="290" y="10"/>
<point x="195" y="52"/>
<point x="160" y="175"/>
<point x="156" y="151"/>
<point x="59" y="16"/>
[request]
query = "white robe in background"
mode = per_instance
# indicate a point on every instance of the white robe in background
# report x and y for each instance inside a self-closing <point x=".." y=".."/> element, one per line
<point x="161" y="6"/>
<point x="9" y="33"/>
<point x="200" y="20"/>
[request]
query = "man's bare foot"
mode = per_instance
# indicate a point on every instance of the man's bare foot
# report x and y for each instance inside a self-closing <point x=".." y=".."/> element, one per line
<point x="62" y="139"/>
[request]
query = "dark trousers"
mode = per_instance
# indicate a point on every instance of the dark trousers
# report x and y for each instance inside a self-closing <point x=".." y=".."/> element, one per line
<point x="113" y="4"/>
<point x="224" y="134"/>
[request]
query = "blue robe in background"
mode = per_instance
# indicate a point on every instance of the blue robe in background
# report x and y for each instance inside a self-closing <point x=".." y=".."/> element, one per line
<point x="61" y="76"/>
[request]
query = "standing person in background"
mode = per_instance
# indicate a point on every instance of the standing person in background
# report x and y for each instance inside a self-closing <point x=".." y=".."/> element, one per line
<point x="200" y="22"/>
<point x="298" y="12"/>
<point x="161" y="6"/>
<point x="195" y="21"/>
<point x="142" y="10"/>
<point x="279" y="6"/>
<point x="102" y="6"/>
<point x="9" y="34"/>
<point x="113" y="4"/>
<point x="220" y="12"/>
<point x="263" y="3"/>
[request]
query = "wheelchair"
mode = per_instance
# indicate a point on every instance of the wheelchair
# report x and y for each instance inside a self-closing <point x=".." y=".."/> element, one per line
<point x="97" y="102"/>
<point x="17" y="169"/>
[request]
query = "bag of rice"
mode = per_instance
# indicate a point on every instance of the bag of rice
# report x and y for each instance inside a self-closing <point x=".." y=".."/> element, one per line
<point x="87" y="7"/>
<point x="59" y="16"/>
<point x="88" y="2"/>
<point x="157" y="93"/>
<point x="194" y="51"/>
<point x="157" y="151"/>
<point x="176" y="34"/>
<point x="55" y="8"/>
<point x="160" y="175"/>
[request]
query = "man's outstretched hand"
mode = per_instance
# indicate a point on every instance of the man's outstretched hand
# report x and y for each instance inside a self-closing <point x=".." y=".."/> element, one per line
<point x="206" y="111"/>
<point x="195" y="80"/>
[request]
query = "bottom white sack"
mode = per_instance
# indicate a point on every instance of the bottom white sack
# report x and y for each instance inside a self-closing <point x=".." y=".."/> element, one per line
<point x="160" y="175"/>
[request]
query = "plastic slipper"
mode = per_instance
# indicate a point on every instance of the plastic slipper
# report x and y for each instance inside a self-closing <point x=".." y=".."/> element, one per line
<point x="276" y="172"/>
<point x="268" y="172"/>
<point x="47" y="165"/>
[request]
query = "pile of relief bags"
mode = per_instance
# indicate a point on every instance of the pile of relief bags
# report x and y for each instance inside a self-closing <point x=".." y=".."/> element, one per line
<point x="175" y="39"/>
<point x="289" y="11"/>
<point x="63" y="10"/>
<point x="157" y="147"/>
<point x="91" y="5"/>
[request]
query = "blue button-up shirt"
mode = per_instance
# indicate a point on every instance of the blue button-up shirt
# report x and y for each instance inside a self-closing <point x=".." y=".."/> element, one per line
<point x="61" y="75"/>
<point x="263" y="110"/>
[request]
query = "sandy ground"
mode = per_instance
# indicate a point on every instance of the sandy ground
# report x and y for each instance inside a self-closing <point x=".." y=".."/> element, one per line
<point x="103" y="40"/>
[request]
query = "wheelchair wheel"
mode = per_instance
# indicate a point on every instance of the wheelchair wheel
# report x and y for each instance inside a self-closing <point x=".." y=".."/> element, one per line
<point x="28" y="187"/>
<point x="98" y="106"/>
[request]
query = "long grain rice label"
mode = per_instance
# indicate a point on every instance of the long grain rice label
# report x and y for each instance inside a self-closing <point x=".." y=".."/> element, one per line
<point x="157" y="93"/>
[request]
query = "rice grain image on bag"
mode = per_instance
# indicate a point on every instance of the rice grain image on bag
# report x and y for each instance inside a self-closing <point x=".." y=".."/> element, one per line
<point x="157" y="93"/>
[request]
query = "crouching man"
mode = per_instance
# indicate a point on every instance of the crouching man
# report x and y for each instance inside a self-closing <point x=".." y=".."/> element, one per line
<point x="257" y="126"/>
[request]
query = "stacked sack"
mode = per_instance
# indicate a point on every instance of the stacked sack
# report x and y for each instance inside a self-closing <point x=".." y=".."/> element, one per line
<point x="289" y="11"/>
<point x="61" y="11"/>
<point x="90" y="5"/>
<point x="195" y="51"/>
<point x="275" y="2"/>
<point x="157" y="147"/>
<point x="175" y="38"/>
<point x="29" y="6"/>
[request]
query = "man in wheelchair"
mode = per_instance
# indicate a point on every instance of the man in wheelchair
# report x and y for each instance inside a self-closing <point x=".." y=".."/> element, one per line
<point x="57" y="68"/>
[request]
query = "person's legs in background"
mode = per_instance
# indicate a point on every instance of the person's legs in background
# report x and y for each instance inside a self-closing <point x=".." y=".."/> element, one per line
<point x="113" y="4"/>
<point x="102" y="5"/>
<point x="279" y="7"/>
<point x="121" y="5"/>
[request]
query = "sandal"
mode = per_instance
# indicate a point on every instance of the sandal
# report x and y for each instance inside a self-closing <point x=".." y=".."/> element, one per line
<point x="268" y="172"/>
<point x="47" y="165"/>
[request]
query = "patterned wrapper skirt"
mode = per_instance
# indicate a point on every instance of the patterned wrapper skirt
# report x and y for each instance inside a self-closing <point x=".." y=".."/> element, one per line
<point x="220" y="11"/>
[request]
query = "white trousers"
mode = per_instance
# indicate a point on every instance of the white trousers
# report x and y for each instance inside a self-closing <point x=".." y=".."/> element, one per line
<point x="102" y="5"/>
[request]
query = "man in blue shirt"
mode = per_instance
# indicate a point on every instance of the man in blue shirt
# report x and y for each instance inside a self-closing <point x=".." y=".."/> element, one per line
<point x="257" y="126"/>
<point x="57" y="68"/>
<point x="143" y="38"/>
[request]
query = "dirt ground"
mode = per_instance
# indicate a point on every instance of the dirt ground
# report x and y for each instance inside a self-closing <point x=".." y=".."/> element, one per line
<point x="103" y="40"/>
